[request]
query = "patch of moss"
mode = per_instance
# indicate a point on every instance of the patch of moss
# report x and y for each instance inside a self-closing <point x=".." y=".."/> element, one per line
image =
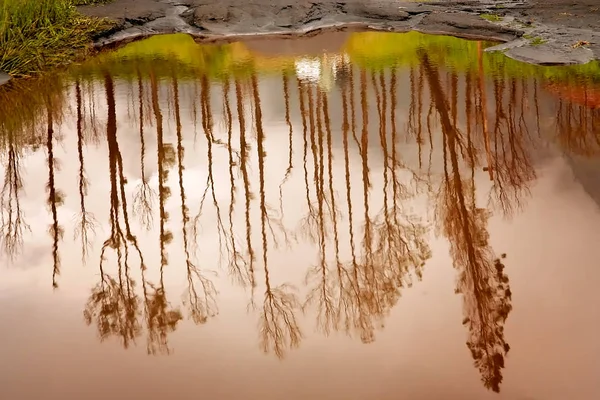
<point x="491" y="17"/>
<point x="536" y="41"/>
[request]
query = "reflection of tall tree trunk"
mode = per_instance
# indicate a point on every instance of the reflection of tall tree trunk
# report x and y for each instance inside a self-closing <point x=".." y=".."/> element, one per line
<point x="288" y="171"/>
<point x="364" y="150"/>
<point x="483" y="99"/>
<point x="143" y="200"/>
<point x="278" y="325"/>
<point x="202" y="305"/>
<point x="237" y="264"/>
<point x="322" y="292"/>
<point x="163" y="159"/>
<point x="261" y="167"/>
<point x="55" y="197"/>
<point x="12" y="218"/>
<point x="310" y="220"/>
<point x="482" y="281"/>
<point x="207" y="124"/>
<point x="244" y="148"/>
<point x="87" y="221"/>
<point x="113" y="303"/>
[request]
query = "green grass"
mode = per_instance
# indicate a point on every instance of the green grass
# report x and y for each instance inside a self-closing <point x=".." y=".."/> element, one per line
<point x="36" y="35"/>
<point x="491" y="17"/>
<point x="87" y="2"/>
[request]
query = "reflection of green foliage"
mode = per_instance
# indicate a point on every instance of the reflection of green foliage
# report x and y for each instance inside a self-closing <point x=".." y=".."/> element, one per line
<point x="162" y="54"/>
<point x="378" y="50"/>
<point x="179" y="52"/>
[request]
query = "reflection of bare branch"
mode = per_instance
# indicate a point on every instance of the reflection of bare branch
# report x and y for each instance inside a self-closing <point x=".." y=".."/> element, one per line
<point x="86" y="226"/>
<point x="201" y="305"/>
<point x="279" y="329"/>
<point x="238" y="265"/>
<point x="510" y="158"/>
<point x="144" y="197"/>
<point x="308" y="225"/>
<point x="207" y="125"/>
<point x="244" y="148"/>
<point x="12" y="218"/>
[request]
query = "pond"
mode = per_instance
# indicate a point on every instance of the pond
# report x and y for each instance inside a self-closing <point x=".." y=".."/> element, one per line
<point x="276" y="218"/>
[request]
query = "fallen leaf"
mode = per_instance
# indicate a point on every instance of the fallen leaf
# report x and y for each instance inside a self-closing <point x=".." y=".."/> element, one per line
<point x="580" y="43"/>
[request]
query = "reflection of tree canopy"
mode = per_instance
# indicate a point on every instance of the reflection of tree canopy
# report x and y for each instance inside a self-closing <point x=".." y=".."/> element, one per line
<point x="481" y="280"/>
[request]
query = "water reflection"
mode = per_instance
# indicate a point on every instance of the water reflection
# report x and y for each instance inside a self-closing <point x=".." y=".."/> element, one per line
<point x="369" y="168"/>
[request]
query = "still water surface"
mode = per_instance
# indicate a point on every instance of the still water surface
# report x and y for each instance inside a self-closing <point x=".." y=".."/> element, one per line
<point x="351" y="216"/>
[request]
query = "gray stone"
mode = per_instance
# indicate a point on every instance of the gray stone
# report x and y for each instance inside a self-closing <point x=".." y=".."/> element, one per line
<point x="550" y="55"/>
<point x="377" y="10"/>
<point x="4" y="77"/>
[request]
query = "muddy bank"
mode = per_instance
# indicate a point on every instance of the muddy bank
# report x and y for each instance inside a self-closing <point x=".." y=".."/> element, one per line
<point x="550" y="32"/>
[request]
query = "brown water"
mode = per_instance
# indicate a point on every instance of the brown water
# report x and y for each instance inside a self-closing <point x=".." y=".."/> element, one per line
<point x="308" y="226"/>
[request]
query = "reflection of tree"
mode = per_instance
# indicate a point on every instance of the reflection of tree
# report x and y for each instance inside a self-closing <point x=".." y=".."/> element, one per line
<point x="238" y="265"/>
<point x="288" y="171"/>
<point x="113" y="304"/>
<point x="357" y="295"/>
<point x="481" y="280"/>
<point x="322" y="293"/>
<point x="201" y="292"/>
<point x="12" y="218"/>
<point x="207" y="126"/>
<point x="510" y="159"/>
<point x="279" y="328"/>
<point x="144" y="197"/>
<point x="55" y="196"/>
<point x="87" y="223"/>
<point x="309" y="222"/>
<point x="578" y="125"/>
<point x="248" y="195"/>
<point x="160" y="319"/>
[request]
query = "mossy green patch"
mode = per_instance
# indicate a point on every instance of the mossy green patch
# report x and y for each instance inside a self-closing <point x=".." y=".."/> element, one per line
<point x="491" y="17"/>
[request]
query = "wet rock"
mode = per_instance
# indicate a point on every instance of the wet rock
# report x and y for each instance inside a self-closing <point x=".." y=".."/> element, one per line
<point x="415" y="8"/>
<point x="136" y="12"/>
<point x="143" y="18"/>
<point x="4" y="78"/>
<point x="467" y="25"/>
<point x="377" y="10"/>
<point x="210" y="13"/>
<point x="550" y="55"/>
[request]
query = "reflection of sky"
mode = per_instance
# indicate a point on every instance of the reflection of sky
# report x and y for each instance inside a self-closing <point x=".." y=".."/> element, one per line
<point x="419" y="355"/>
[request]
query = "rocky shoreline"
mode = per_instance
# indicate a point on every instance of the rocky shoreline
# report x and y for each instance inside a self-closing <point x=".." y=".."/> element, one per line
<point x="552" y="32"/>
